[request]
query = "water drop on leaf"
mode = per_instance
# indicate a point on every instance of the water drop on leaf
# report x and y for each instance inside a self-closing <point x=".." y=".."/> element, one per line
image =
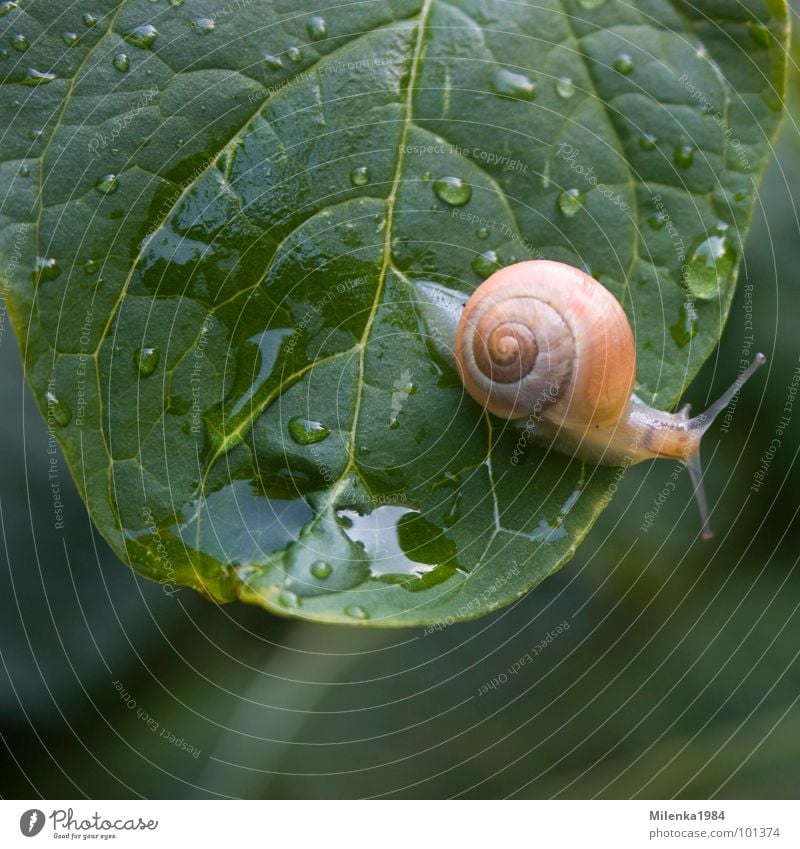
<point x="316" y="28"/>
<point x="486" y="264"/>
<point x="356" y="611"/>
<point x="321" y="569"/>
<point x="121" y="63"/>
<point x="146" y="360"/>
<point x="142" y="36"/>
<point x="510" y="84"/>
<point x="623" y="63"/>
<point x="360" y="176"/>
<point x="70" y="39"/>
<point x="19" y="42"/>
<point x="565" y="87"/>
<point x="34" y="77"/>
<point x="107" y="184"/>
<point x="307" y="432"/>
<point x="684" y="155"/>
<point x="452" y="190"/>
<point x="57" y="410"/>
<point x="570" y="202"/>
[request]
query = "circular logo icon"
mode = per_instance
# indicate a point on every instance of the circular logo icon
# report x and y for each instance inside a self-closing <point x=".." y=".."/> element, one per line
<point x="31" y="822"/>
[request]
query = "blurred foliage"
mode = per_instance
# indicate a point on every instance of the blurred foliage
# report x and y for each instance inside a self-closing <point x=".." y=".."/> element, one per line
<point x="678" y="676"/>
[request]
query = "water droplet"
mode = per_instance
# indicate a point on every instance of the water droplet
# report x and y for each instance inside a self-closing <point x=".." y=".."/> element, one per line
<point x="203" y="25"/>
<point x="685" y="328"/>
<point x="486" y="263"/>
<point x="307" y="432"/>
<point x="570" y="202"/>
<point x="657" y="221"/>
<point x="24" y="171"/>
<point x="647" y="142"/>
<point x="34" y="77"/>
<point x="286" y="598"/>
<point x="711" y="261"/>
<point x="452" y="190"/>
<point x="510" y="84"/>
<point x="57" y="410"/>
<point x="176" y="3"/>
<point x="482" y="232"/>
<point x="34" y="135"/>
<point x="360" y="176"/>
<point x="623" y="63"/>
<point x="759" y="33"/>
<point x="316" y="28"/>
<point x="142" y="36"/>
<point x="91" y="266"/>
<point x="70" y="39"/>
<point x="273" y="62"/>
<point x="19" y="42"/>
<point x="356" y="611"/>
<point x="565" y="87"/>
<point x="294" y="54"/>
<point x="107" y="184"/>
<point x="591" y="4"/>
<point x="321" y="569"/>
<point x="684" y="155"/>
<point x="5" y="8"/>
<point x="427" y="176"/>
<point x="89" y="20"/>
<point x="146" y="360"/>
<point x="46" y="269"/>
<point x="121" y="62"/>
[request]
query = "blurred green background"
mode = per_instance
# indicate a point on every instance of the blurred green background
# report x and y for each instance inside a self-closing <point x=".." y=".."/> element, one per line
<point x="679" y="674"/>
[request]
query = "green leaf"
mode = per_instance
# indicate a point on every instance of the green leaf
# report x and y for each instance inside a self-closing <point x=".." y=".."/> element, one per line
<point x="215" y="226"/>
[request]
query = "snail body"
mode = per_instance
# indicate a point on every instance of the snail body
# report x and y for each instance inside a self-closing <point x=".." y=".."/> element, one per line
<point x="545" y="344"/>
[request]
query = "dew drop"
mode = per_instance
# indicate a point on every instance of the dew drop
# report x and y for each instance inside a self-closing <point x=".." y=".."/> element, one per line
<point x="107" y="184"/>
<point x="452" y="190"/>
<point x="121" y="63"/>
<point x="146" y="360"/>
<point x="360" y="176"/>
<point x="5" y="8"/>
<point x="486" y="263"/>
<point x="510" y="84"/>
<point x="24" y="171"/>
<point x="570" y="202"/>
<point x="684" y="155"/>
<point x="356" y="611"/>
<point x="657" y="221"/>
<point x="307" y="432"/>
<point x="482" y="232"/>
<point x="34" y="135"/>
<point x="19" y="42"/>
<point x="294" y="54"/>
<point x="46" y="269"/>
<point x="57" y="410"/>
<point x="286" y="598"/>
<point x="274" y="63"/>
<point x="647" y="142"/>
<point x="142" y="36"/>
<point x="565" y="87"/>
<point x="34" y="77"/>
<point x="91" y="266"/>
<point x="321" y="569"/>
<point x="89" y="20"/>
<point x="623" y="63"/>
<point x="316" y="28"/>
<point x="203" y="25"/>
<point x="711" y="261"/>
<point x="70" y="39"/>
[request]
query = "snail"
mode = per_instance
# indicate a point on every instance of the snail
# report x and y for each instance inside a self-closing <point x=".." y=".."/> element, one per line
<point x="544" y="344"/>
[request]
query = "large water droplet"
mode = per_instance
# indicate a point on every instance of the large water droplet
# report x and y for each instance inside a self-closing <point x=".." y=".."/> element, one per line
<point x="46" y="268"/>
<point x="356" y="611"/>
<point x="360" y="176"/>
<point x="5" y="8"/>
<point x="34" y="77"/>
<point x="57" y="410"/>
<point x="316" y="28"/>
<point x="684" y="155"/>
<point x="295" y="55"/>
<point x="274" y="63"/>
<point x="19" y="42"/>
<point x="565" y="87"/>
<point x="107" y="184"/>
<point x="685" y="328"/>
<point x="146" y="360"/>
<point x="121" y="62"/>
<point x="510" y="84"/>
<point x="286" y="598"/>
<point x="321" y="569"/>
<point x="203" y="25"/>
<point x="486" y="263"/>
<point x="452" y="190"/>
<point x="711" y="261"/>
<point x="623" y="63"/>
<point x="307" y="432"/>
<point x="70" y="39"/>
<point x="142" y="36"/>
<point x="570" y="202"/>
<point x="89" y="20"/>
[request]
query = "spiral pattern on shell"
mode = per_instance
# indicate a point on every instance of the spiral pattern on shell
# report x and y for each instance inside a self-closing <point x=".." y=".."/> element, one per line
<point x="544" y="339"/>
